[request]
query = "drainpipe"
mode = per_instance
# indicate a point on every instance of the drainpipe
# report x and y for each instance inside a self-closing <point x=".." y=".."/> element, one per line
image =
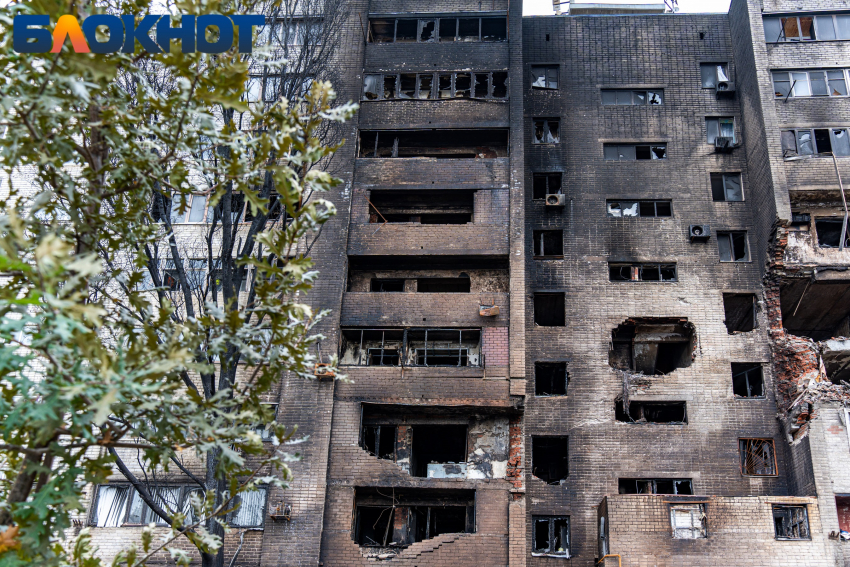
<point x="844" y="202"/>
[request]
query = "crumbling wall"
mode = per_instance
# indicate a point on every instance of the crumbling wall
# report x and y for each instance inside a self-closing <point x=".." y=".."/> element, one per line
<point x="489" y="440"/>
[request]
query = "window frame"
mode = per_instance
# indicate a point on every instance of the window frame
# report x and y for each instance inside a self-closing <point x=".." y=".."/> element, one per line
<point x="845" y="237"/>
<point x="434" y="90"/>
<point x="534" y="245"/>
<point x="547" y="175"/>
<point x="546" y="130"/>
<point x="790" y="508"/>
<point x="723" y="177"/>
<point x="634" y="97"/>
<point x="729" y="234"/>
<point x="638" y="203"/>
<point x="746" y="373"/>
<point x="635" y="146"/>
<point x="815" y="27"/>
<point x="636" y="269"/>
<point x="546" y="69"/>
<point x="552" y="522"/>
<point x="437" y="35"/>
<point x="772" y="445"/>
<point x="720" y="121"/>
<point x="146" y="513"/>
<point x="787" y="154"/>
<point x="717" y="79"/>
<point x="691" y="507"/>
<point x="792" y="82"/>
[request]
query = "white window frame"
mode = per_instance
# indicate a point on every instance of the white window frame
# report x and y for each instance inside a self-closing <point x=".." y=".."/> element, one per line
<point x="816" y="25"/>
<point x="696" y="527"/>
<point x="799" y="83"/>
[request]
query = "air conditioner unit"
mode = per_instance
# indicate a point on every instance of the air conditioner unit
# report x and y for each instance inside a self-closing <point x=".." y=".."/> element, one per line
<point x="725" y="89"/>
<point x="699" y="232"/>
<point x="488" y="310"/>
<point x="723" y="144"/>
<point x="323" y="370"/>
<point x="555" y="200"/>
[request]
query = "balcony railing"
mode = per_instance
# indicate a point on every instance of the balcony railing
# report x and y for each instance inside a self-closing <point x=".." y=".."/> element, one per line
<point x="412" y="347"/>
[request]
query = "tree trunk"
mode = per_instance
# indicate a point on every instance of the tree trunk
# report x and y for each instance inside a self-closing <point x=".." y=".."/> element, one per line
<point x="219" y="486"/>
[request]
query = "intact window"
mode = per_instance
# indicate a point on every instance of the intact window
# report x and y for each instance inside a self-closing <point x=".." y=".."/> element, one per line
<point x="550" y="378"/>
<point x="628" y="97"/>
<point x="807" y="83"/>
<point x="642" y="272"/>
<point x="551" y="536"/>
<point x="747" y="380"/>
<point x="120" y="505"/>
<point x="548" y="243"/>
<point x="790" y="522"/>
<point x="758" y="457"/>
<point x="719" y="128"/>
<point x="549" y="458"/>
<point x="733" y="246"/>
<point x="713" y="73"/>
<point x="631" y="152"/>
<point x="639" y="209"/>
<point x="546" y="131"/>
<point x="829" y="232"/>
<point x="688" y="521"/>
<point x="726" y="187"/>
<point x="546" y="184"/>
<point x="544" y="76"/>
<point x="549" y="309"/>
<point x="806" y="28"/>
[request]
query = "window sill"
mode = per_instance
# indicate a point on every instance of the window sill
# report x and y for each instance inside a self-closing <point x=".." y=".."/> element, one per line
<point x="792" y="538"/>
<point x="749" y="398"/>
<point x="548" y="257"/>
<point x="553" y="555"/>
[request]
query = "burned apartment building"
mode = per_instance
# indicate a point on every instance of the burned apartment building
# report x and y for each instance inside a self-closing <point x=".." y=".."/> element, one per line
<point x="580" y="266"/>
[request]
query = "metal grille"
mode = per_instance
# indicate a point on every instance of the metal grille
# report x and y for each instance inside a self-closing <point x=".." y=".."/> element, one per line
<point x="757" y="457"/>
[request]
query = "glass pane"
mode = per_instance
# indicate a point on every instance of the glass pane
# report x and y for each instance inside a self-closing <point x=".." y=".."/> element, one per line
<point x="781" y="84"/>
<point x="425" y="86"/>
<point x="609" y="97"/>
<point x="251" y="508"/>
<point x="792" y="30"/>
<point x="272" y="88"/>
<point x="654" y="97"/>
<point x="611" y="152"/>
<point x="718" y="193"/>
<point x="630" y="209"/>
<point x="627" y="153"/>
<point x="135" y="515"/>
<point x="371" y="86"/>
<point x="712" y="129"/>
<point x="789" y="142"/>
<point x="552" y="78"/>
<point x="111" y="505"/>
<point x="659" y="152"/>
<point x="840" y="142"/>
<point x="176" y="205"/>
<point x="196" y="214"/>
<point x="722" y="72"/>
<point x="801" y="84"/>
<point x="818" y="82"/>
<point x="709" y="76"/>
<point x="772" y="30"/>
<point x="538" y="77"/>
<point x="614" y="209"/>
<point x="837" y="85"/>
<point x="843" y="26"/>
<point x="727" y="128"/>
<point x="253" y="86"/>
<point x="724" y="247"/>
<point x="825" y="27"/>
<point x="733" y="188"/>
<point x="640" y="98"/>
<point x="807" y="28"/>
<point x="805" y="146"/>
<point x="624" y="98"/>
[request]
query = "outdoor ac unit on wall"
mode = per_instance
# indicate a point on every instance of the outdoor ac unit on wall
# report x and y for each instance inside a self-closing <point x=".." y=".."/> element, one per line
<point x="554" y="200"/>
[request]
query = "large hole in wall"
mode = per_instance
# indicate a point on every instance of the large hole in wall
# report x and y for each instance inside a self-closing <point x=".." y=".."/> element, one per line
<point x="429" y="274"/>
<point x="550" y="458"/>
<point x="816" y="309"/>
<point x="422" y="207"/>
<point x="652" y="345"/>
<point x="740" y="312"/>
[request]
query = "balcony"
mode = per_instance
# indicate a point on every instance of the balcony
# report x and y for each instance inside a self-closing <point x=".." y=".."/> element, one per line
<point x="434" y="113"/>
<point x="410" y="239"/>
<point x="405" y="309"/>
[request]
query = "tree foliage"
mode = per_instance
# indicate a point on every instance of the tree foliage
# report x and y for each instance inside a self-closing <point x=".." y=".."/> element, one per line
<point x="105" y="346"/>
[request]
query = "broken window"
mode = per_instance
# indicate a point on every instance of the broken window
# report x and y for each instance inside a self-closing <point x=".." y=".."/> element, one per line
<point x="726" y="187"/>
<point x="688" y="521"/>
<point x="372" y="347"/>
<point x="549" y="458"/>
<point x="551" y="536"/>
<point x="713" y="73"/>
<point x="386" y="285"/>
<point x="544" y="76"/>
<point x="550" y="378"/>
<point x="374" y="525"/>
<point x="628" y="97"/>
<point x="842" y="506"/>
<point x="463" y="85"/>
<point x="639" y="208"/>
<point x="740" y="311"/>
<point x="632" y="152"/>
<point x="411" y="347"/>
<point x="548" y="243"/>
<point x="829" y="232"/>
<point x="546" y="131"/>
<point x="550" y="309"/>
<point x="806" y="142"/>
<point x="655" y="486"/>
<point x="443" y="285"/>
<point x="719" y="128"/>
<point x="747" y="380"/>
<point x="435" y="446"/>
<point x="733" y="246"/>
<point x="790" y="522"/>
<point x="652" y="345"/>
<point x="424" y="207"/>
<point x="652" y="412"/>
<point x="440" y="144"/>
<point x="807" y="28"/>
<point x="264" y="432"/>
<point x="546" y="184"/>
<point x="428" y="30"/>
<point x="821" y="82"/>
<point x="379" y="440"/>
<point x="757" y="457"/>
<point x="642" y="272"/>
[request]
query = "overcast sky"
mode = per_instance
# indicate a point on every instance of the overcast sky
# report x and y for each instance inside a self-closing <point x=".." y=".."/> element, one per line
<point x="535" y="7"/>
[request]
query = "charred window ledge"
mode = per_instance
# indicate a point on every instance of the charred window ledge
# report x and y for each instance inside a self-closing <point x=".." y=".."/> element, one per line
<point x="666" y="413"/>
<point x="481" y="143"/>
<point x="411" y="347"/>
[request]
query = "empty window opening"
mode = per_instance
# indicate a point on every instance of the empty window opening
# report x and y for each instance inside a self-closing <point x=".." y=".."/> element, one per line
<point x="790" y="522"/>
<point x="549" y="458"/>
<point x="632" y="152"/>
<point x="443" y="285"/>
<point x="411" y="347"/>
<point x="740" y="312"/>
<point x="550" y="309"/>
<point x="652" y="345"/>
<point x="405" y="30"/>
<point x="639" y="208"/>
<point x="747" y="380"/>
<point x="382" y="357"/>
<point x="674" y="413"/>
<point x="546" y="131"/>
<point x="812" y="142"/>
<point x="642" y="272"/>
<point x="422" y="207"/>
<point x="494" y="29"/>
<point x="546" y="184"/>
<point x="627" y="97"/>
<point x="550" y="378"/>
<point x="410" y="515"/>
<point x="380" y="440"/>
<point x="655" y="486"/>
<point x="732" y="246"/>
<point x="437" y="445"/>
<point x="758" y="457"/>
<point x="544" y="76"/>
<point x="551" y="536"/>
<point x="829" y="232"/>
<point x="720" y="128"/>
<point x="688" y="521"/>
<point x="713" y="74"/>
<point x="548" y="243"/>
<point x="819" y="310"/>
<point x="726" y="187"/>
<point x="429" y="30"/>
<point x="842" y="505"/>
<point x="441" y="144"/>
<point x="386" y="285"/>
